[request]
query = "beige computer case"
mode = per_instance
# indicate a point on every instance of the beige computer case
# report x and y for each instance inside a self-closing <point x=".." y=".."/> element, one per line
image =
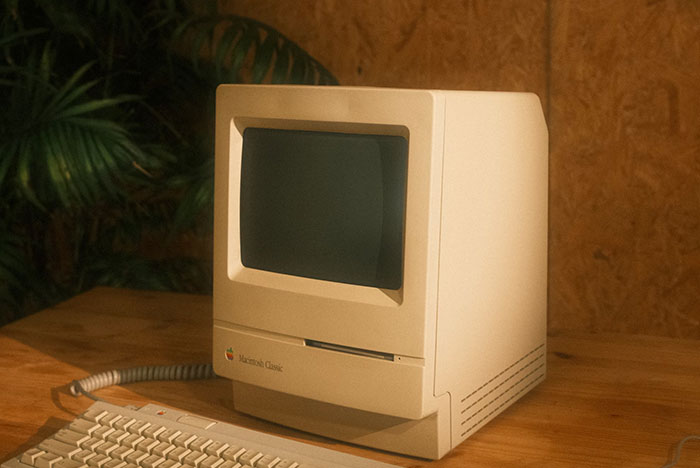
<point x="484" y="281"/>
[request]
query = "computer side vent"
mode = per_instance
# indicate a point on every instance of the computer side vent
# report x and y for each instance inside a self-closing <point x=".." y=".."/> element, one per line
<point x="494" y="396"/>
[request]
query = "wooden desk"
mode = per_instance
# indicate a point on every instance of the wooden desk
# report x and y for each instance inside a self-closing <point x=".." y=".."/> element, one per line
<point x="618" y="401"/>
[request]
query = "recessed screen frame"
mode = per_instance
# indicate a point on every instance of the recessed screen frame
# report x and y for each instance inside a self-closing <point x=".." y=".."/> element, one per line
<point x="358" y="316"/>
<point x="324" y="205"/>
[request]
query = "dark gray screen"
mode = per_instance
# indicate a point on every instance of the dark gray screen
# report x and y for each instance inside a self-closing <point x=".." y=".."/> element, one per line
<point x="324" y="205"/>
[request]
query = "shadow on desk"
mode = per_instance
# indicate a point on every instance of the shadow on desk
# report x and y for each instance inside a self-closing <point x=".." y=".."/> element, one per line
<point x="106" y="329"/>
<point x="49" y="427"/>
<point x="608" y="400"/>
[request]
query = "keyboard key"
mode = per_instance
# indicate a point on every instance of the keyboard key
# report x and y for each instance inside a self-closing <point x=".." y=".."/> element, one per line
<point x="106" y="448"/>
<point x="30" y="456"/>
<point x="233" y="453"/>
<point x="184" y="439"/>
<point x="93" y="415"/>
<point x="138" y="427"/>
<point x="178" y="453"/>
<point x="84" y="426"/>
<point x="92" y="443"/>
<point x="147" y="445"/>
<point x="200" y="443"/>
<point x="168" y="435"/>
<point x="286" y="464"/>
<point x="117" y="436"/>
<point x="109" y="419"/>
<point x="267" y="461"/>
<point x="193" y="458"/>
<point x="59" y="448"/>
<point x="216" y="448"/>
<point x="196" y="421"/>
<point x="162" y="449"/>
<point x="169" y="464"/>
<point x="132" y="440"/>
<point x="83" y="456"/>
<point x="98" y="460"/>
<point x="121" y="452"/>
<point x="68" y="463"/>
<point x="136" y="456"/>
<point x="151" y="461"/>
<point x="152" y="431"/>
<point x="114" y="463"/>
<point x="229" y="464"/>
<point x="250" y="457"/>
<point x="71" y="437"/>
<point x="123" y="423"/>
<point x="103" y="432"/>
<point x="212" y="461"/>
<point x="47" y="460"/>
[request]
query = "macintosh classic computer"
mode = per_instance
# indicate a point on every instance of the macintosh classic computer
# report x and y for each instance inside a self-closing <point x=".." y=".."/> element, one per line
<point x="380" y="259"/>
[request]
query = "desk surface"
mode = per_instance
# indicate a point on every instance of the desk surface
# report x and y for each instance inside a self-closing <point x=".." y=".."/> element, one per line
<point x="608" y="400"/>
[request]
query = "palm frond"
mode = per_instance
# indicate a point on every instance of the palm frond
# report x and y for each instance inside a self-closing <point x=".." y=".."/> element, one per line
<point x="13" y="280"/>
<point x="231" y="41"/>
<point x="196" y="207"/>
<point x="120" y="15"/>
<point x="66" y="19"/>
<point x="106" y="139"/>
<point x="65" y="149"/>
<point x="137" y="272"/>
<point x="16" y="37"/>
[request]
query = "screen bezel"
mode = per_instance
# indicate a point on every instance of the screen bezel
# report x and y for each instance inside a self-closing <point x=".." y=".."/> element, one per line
<point x="392" y="321"/>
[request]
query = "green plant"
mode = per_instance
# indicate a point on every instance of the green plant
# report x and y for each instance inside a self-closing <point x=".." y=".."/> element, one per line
<point x="106" y="139"/>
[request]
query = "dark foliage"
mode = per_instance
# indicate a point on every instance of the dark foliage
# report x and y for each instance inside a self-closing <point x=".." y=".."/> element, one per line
<point x="106" y="139"/>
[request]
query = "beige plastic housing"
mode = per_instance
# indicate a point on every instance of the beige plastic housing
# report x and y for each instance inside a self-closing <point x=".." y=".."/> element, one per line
<point x="466" y="333"/>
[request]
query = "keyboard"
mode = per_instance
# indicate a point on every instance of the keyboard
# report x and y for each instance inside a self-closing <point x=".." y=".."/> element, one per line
<point x="111" y="436"/>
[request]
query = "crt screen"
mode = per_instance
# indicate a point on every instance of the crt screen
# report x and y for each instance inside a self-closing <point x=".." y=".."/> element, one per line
<point x="324" y="205"/>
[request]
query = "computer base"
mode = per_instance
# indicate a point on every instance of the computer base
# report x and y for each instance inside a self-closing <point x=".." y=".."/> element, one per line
<point x="426" y="438"/>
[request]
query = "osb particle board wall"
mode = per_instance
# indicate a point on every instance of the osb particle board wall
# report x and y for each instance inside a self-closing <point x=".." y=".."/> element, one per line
<point x="620" y="84"/>
<point x="625" y="166"/>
